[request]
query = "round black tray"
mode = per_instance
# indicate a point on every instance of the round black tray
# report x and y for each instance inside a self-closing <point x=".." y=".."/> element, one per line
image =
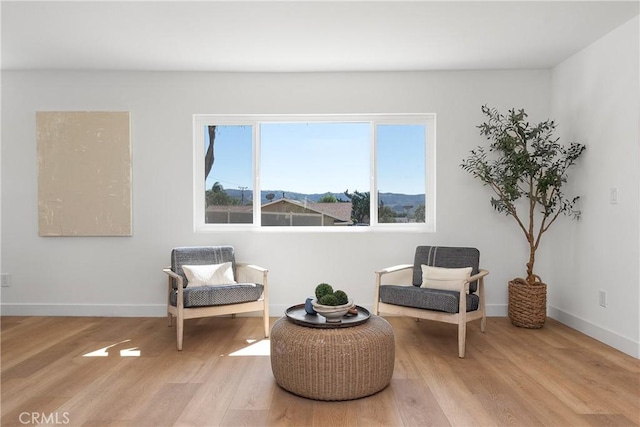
<point x="299" y="316"/>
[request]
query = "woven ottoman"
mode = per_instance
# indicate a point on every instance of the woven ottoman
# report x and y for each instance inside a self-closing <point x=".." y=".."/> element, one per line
<point x="333" y="364"/>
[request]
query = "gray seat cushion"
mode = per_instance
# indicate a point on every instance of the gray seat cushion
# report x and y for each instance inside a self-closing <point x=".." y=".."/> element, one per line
<point x="205" y="296"/>
<point x="425" y="298"/>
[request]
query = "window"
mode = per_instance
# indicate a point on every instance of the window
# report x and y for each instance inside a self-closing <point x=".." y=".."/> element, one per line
<point x="314" y="172"/>
<point x="401" y="173"/>
<point x="228" y="173"/>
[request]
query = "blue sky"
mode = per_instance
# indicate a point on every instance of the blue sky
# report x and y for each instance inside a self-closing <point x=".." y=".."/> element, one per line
<point x="315" y="157"/>
<point x="320" y="157"/>
<point x="233" y="165"/>
<point x="401" y="159"/>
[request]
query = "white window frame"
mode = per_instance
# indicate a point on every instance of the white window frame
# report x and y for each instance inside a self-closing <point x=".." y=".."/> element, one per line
<point x="201" y="120"/>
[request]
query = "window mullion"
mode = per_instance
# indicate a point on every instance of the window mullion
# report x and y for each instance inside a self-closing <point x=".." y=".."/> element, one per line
<point x="257" y="192"/>
<point x="373" y="182"/>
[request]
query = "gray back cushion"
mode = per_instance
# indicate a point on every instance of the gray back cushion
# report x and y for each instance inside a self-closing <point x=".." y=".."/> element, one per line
<point x="200" y="255"/>
<point x="447" y="257"/>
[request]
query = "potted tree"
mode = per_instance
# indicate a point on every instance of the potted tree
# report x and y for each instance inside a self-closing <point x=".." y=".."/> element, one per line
<point x="526" y="167"/>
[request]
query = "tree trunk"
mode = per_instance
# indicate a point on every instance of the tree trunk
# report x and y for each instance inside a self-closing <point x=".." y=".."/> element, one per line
<point x="531" y="278"/>
<point x="209" y="156"/>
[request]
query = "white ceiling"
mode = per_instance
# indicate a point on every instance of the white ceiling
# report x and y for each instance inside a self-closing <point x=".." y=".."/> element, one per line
<point x="302" y="35"/>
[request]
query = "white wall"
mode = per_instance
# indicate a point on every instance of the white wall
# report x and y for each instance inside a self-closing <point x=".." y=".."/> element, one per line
<point x="595" y="101"/>
<point x="121" y="275"/>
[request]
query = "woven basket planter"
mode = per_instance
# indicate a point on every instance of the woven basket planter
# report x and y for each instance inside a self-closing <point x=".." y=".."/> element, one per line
<point x="527" y="304"/>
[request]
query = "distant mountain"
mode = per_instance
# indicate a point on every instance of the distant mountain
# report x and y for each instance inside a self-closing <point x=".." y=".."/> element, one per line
<point x="396" y="201"/>
<point x="401" y="202"/>
<point x="291" y="195"/>
<point x="279" y="194"/>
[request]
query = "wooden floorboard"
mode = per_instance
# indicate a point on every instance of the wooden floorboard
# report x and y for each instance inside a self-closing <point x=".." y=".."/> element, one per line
<point x="127" y="372"/>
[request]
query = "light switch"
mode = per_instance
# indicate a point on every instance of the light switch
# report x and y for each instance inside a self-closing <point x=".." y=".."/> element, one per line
<point x="613" y="195"/>
<point x="603" y="298"/>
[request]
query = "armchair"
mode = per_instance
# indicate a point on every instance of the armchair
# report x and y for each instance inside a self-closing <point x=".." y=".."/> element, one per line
<point x="206" y="281"/>
<point x="411" y="289"/>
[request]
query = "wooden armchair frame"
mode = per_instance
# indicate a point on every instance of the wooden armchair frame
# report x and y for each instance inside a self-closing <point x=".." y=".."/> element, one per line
<point x="245" y="273"/>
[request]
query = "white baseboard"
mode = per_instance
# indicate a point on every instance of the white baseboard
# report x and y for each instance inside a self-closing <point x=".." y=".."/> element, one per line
<point x="104" y="310"/>
<point x="84" y="310"/>
<point x="497" y="310"/>
<point x="609" y="337"/>
<point x="144" y="310"/>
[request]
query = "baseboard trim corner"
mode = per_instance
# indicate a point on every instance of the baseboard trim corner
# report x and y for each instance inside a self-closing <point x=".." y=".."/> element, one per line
<point x="604" y="335"/>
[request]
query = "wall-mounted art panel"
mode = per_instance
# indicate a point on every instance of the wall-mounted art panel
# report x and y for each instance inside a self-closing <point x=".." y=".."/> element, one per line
<point x="84" y="173"/>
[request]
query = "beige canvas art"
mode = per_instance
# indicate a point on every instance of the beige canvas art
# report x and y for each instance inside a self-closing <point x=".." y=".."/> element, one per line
<point x="84" y="173"/>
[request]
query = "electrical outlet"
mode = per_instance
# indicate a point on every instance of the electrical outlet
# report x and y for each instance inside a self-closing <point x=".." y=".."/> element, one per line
<point x="5" y="280"/>
<point x="603" y="298"/>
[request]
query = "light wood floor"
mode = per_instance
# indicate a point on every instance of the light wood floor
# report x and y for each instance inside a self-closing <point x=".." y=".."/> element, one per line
<point x="86" y="371"/>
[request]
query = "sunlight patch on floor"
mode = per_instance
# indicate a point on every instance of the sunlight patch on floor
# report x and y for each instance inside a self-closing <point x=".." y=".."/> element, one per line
<point x="254" y="348"/>
<point x="104" y="351"/>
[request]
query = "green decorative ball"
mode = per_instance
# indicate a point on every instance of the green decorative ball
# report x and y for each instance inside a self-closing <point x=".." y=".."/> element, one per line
<point x="323" y="289"/>
<point x="342" y="297"/>
<point x="328" y="299"/>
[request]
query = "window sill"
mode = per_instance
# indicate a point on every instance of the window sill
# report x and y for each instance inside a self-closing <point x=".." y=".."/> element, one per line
<point x="408" y="228"/>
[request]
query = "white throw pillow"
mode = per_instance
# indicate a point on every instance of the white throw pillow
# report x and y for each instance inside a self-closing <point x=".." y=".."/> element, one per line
<point x="449" y="279"/>
<point x="209" y="274"/>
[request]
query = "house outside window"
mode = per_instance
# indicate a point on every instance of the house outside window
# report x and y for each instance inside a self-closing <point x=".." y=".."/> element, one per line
<point x="330" y="173"/>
